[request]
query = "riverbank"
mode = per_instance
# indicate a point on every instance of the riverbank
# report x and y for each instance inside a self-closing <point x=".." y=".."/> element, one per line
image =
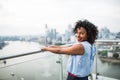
<point x="110" y="60"/>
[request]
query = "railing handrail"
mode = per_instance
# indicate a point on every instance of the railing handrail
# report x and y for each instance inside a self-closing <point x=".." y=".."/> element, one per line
<point x="19" y="55"/>
<point x="29" y="53"/>
<point x="24" y="54"/>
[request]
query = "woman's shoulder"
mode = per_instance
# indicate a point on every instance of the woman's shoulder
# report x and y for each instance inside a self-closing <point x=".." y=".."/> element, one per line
<point x="84" y="43"/>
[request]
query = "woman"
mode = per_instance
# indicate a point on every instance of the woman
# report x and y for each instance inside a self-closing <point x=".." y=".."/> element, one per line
<point x="81" y="53"/>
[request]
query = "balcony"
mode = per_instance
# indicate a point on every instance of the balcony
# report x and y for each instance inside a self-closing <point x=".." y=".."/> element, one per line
<point x="39" y="65"/>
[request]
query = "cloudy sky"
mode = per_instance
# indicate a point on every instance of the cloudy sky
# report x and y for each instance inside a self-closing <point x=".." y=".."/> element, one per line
<point x="28" y="17"/>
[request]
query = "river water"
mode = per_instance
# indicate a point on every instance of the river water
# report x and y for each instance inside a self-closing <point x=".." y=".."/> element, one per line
<point x="43" y="66"/>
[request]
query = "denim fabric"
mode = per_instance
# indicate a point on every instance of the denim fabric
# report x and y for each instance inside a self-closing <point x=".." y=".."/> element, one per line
<point x="81" y="65"/>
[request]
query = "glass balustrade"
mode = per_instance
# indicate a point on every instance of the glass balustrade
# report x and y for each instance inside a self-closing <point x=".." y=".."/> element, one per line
<point x="43" y="67"/>
<point x="49" y="66"/>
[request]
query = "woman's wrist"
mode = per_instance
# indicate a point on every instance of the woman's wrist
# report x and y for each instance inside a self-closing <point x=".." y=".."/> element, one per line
<point x="44" y="49"/>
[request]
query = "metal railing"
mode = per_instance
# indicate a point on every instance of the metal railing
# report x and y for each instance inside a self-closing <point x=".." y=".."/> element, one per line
<point x="20" y="55"/>
<point x="60" y="61"/>
<point x="35" y="52"/>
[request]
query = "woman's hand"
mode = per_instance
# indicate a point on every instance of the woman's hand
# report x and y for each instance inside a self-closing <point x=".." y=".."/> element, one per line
<point x="43" y="48"/>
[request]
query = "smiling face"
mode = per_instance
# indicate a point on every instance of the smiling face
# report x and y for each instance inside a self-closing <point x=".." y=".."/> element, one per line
<point x="81" y="34"/>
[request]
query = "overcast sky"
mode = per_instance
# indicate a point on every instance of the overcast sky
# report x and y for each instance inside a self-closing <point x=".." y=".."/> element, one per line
<point x="19" y="17"/>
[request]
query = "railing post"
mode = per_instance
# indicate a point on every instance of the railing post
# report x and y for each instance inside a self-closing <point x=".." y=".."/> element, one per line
<point x="61" y="67"/>
<point x="96" y="59"/>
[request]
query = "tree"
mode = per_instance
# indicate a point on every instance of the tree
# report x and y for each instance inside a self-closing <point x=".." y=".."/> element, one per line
<point x="103" y="53"/>
<point x="116" y="55"/>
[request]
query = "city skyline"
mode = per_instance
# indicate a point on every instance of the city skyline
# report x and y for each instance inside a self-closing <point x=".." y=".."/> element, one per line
<point x="28" y="17"/>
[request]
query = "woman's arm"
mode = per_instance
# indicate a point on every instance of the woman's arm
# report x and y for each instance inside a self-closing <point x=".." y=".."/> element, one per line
<point x="55" y="46"/>
<point x="77" y="49"/>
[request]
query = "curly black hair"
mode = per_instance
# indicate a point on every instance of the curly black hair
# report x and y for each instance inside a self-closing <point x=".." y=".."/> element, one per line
<point x="91" y="29"/>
